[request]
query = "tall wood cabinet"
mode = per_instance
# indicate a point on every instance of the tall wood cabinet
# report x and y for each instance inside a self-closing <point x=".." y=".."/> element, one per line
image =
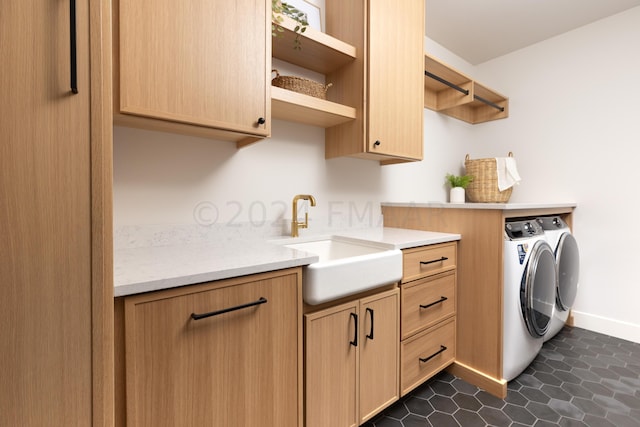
<point x="218" y="354"/>
<point x="56" y="309"/>
<point x="198" y="67"/>
<point x="351" y="360"/>
<point x="385" y="83"/>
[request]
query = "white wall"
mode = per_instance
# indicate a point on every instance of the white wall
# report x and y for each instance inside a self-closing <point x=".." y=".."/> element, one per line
<point x="574" y="128"/>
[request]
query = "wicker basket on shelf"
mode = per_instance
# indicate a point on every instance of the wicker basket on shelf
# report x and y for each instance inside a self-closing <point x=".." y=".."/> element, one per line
<point x="300" y="85"/>
<point x="484" y="187"/>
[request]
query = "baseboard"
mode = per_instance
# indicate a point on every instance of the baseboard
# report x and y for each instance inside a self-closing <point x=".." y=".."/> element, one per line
<point x="497" y="387"/>
<point x="615" y="328"/>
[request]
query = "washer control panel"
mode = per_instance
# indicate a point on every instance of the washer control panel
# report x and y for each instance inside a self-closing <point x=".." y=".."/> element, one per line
<point x="551" y="222"/>
<point x="522" y="229"/>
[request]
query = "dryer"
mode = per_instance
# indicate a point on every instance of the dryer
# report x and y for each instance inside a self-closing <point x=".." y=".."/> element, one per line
<point x="529" y="294"/>
<point x="567" y="255"/>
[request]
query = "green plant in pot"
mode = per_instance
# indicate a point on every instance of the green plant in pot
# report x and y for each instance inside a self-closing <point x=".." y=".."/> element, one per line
<point x="280" y="9"/>
<point x="458" y="185"/>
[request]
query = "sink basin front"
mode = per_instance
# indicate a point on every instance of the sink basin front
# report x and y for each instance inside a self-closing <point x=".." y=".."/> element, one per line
<point x="346" y="267"/>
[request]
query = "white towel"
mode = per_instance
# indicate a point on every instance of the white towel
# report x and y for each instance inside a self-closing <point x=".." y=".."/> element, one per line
<point x="507" y="172"/>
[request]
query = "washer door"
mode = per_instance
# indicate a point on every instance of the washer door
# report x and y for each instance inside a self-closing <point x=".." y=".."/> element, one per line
<point x="538" y="289"/>
<point x="568" y="260"/>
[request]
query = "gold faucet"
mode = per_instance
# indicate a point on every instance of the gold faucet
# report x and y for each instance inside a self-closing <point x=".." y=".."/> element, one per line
<point x="295" y="225"/>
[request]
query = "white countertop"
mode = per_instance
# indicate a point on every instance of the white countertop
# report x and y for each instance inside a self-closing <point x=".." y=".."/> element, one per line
<point x="499" y="206"/>
<point x="145" y="269"/>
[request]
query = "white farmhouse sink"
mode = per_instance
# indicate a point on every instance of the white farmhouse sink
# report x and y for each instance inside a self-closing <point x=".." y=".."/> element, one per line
<point x="346" y="267"/>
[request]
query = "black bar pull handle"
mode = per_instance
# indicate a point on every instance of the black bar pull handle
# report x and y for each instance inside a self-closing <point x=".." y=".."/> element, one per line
<point x="370" y="334"/>
<point x="354" y="342"/>
<point x="195" y="316"/>
<point x="441" y="300"/>
<point x="73" y="39"/>
<point x="444" y="258"/>
<point x="426" y="359"/>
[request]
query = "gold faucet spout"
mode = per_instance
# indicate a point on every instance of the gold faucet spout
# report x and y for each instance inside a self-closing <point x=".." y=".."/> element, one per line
<point x="295" y="224"/>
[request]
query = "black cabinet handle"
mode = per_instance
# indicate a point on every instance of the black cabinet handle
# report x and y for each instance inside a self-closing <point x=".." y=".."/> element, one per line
<point x="442" y="299"/>
<point x="370" y="334"/>
<point x="377" y="143"/>
<point x="195" y="316"/>
<point x="262" y="120"/>
<point x="354" y="342"/>
<point x="426" y="359"/>
<point x="444" y="258"/>
<point x="72" y="43"/>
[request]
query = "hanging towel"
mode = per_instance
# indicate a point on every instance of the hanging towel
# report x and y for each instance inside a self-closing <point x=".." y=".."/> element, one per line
<point x="507" y="172"/>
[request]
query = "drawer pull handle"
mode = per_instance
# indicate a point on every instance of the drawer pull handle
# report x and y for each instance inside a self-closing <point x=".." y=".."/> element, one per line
<point x="73" y="55"/>
<point x="441" y="300"/>
<point x="355" y="330"/>
<point x="426" y="359"/>
<point x="444" y="258"/>
<point x="195" y="316"/>
<point x="370" y="334"/>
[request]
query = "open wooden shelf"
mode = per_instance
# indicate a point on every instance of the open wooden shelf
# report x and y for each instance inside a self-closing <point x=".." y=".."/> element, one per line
<point x="451" y="92"/>
<point x="300" y="108"/>
<point x="320" y="52"/>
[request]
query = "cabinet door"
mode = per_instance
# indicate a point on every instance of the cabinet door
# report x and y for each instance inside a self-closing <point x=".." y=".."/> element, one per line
<point x="379" y="352"/>
<point x="200" y="62"/>
<point x="331" y="366"/>
<point x="45" y="218"/>
<point x="239" y="368"/>
<point x="396" y="78"/>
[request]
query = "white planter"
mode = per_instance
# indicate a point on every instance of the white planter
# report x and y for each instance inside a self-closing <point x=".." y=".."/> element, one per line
<point x="456" y="195"/>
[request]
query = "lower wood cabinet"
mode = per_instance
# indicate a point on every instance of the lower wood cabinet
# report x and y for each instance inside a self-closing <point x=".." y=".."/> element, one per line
<point x="237" y="364"/>
<point x="426" y="354"/>
<point x="352" y="360"/>
<point x="428" y="313"/>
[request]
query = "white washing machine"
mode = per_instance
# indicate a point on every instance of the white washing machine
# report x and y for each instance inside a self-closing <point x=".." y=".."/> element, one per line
<point x="529" y="294"/>
<point x="567" y="256"/>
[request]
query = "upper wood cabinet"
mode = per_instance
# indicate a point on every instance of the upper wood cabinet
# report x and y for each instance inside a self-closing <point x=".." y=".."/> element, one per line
<point x="385" y="83"/>
<point x="200" y="67"/>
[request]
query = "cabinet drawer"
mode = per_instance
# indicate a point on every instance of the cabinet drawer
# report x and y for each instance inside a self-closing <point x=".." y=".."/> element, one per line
<point x="426" y="302"/>
<point x="427" y="260"/>
<point x="426" y="354"/>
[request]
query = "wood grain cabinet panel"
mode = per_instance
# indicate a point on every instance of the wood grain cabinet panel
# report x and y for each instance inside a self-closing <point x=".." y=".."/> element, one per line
<point x="385" y="83"/>
<point x="352" y="360"/>
<point x="194" y="66"/>
<point x="427" y="301"/>
<point x="428" y="311"/>
<point x="425" y="261"/>
<point x="426" y="354"/>
<point x="56" y="308"/>
<point x="237" y="368"/>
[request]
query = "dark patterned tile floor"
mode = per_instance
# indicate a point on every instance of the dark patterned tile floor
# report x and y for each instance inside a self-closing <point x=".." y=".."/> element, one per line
<point x="580" y="378"/>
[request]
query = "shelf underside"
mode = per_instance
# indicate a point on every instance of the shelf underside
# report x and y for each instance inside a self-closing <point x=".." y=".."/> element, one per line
<point x="300" y="108"/>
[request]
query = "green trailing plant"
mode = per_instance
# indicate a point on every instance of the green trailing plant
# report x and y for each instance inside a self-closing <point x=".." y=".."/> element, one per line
<point x="459" y="181"/>
<point x="280" y="9"/>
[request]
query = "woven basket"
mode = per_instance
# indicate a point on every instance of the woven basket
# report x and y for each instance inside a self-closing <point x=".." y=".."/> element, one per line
<point x="300" y="85"/>
<point x="484" y="187"/>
